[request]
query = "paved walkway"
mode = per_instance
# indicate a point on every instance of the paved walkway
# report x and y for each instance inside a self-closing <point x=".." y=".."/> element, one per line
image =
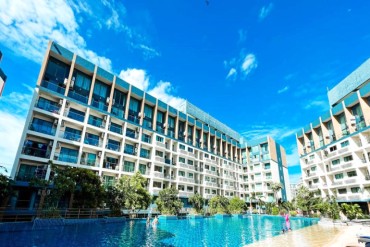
<point x="317" y="235"/>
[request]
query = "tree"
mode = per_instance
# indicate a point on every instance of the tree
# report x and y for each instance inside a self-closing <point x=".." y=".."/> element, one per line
<point x="114" y="200"/>
<point x="236" y="205"/>
<point x="306" y="200"/>
<point x="352" y="211"/>
<point x="168" y="203"/>
<point x="5" y="189"/>
<point x="197" y="202"/>
<point x="252" y="197"/>
<point x="133" y="192"/>
<point x="219" y="205"/>
<point x="83" y="186"/>
<point x="276" y="187"/>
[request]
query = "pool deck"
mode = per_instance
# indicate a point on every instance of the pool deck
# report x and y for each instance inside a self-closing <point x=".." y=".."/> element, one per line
<point x="318" y="235"/>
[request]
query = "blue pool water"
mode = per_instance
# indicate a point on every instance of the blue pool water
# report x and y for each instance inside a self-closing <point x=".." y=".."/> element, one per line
<point x="230" y="231"/>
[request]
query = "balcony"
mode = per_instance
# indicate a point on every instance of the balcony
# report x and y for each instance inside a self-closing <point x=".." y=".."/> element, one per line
<point x="186" y="194"/>
<point x="89" y="162"/>
<point x="148" y="124"/>
<point x="159" y="159"/>
<point x="129" y="150"/>
<point x="158" y="174"/>
<point x="79" y="97"/>
<point x="66" y="158"/>
<point x="131" y="133"/>
<point x="36" y="152"/>
<point x="39" y="173"/>
<point x="48" y="106"/>
<point x="76" y="116"/>
<point x="120" y="113"/>
<point x="146" y="139"/>
<point x="113" y="146"/>
<point x="92" y="141"/>
<point x="70" y="136"/>
<point x="111" y="166"/>
<point x="53" y="86"/>
<point x="145" y="154"/>
<point x="42" y="128"/>
<point x="100" y="104"/>
<point x="167" y="161"/>
<point x="115" y="129"/>
<point x="133" y="118"/>
<point x="97" y="122"/>
<point x="188" y="180"/>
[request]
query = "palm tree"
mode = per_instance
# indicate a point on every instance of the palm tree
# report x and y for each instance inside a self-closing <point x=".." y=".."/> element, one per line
<point x="276" y="187"/>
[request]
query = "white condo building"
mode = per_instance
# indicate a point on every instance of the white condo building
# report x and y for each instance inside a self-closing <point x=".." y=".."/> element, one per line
<point x="84" y="116"/>
<point x="335" y="148"/>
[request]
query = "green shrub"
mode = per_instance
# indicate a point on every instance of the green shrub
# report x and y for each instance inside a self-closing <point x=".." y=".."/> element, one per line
<point x="254" y="211"/>
<point x="275" y="211"/>
<point x="293" y="213"/>
<point x="315" y="215"/>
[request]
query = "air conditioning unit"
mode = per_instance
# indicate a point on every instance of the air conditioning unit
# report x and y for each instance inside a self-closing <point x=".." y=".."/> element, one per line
<point x="72" y="82"/>
<point x="65" y="81"/>
<point x="60" y="102"/>
<point x="105" y="117"/>
<point x="201" y="140"/>
<point x="50" y="143"/>
<point x="184" y="133"/>
<point x="353" y="121"/>
<point x="164" y="125"/>
<point x="107" y="100"/>
<point x="102" y="135"/>
<point x="99" y="154"/>
<point x="215" y="146"/>
<point x="140" y="114"/>
<point x="55" y="121"/>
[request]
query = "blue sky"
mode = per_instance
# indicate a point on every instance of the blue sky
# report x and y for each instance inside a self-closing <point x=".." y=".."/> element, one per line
<point x="260" y="67"/>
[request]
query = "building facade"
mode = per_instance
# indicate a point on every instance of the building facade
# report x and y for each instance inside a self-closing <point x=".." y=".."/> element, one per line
<point x="2" y="77"/>
<point x="334" y="149"/>
<point x="84" y="116"/>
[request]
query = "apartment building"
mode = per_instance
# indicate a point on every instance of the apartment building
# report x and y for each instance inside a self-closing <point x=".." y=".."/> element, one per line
<point x="2" y="77"/>
<point x="84" y="116"/>
<point x="334" y="149"/>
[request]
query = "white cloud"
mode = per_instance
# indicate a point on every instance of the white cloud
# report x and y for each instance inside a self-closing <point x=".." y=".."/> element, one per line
<point x="232" y="73"/>
<point x="13" y="110"/>
<point x="284" y="89"/>
<point x="322" y="105"/>
<point x="136" y="77"/>
<point x="265" y="11"/>
<point x="161" y="90"/>
<point x="278" y="132"/>
<point x="242" y="65"/>
<point x="26" y="27"/>
<point x="164" y="91"/>
<point x="249" y="64"/>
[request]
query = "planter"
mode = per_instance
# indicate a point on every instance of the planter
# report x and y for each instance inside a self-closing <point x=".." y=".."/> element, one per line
<point x="167" y="217"/>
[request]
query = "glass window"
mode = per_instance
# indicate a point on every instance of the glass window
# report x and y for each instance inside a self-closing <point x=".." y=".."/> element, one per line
<point x="182" y="147"/>
<point x="182" y="160"/>
<point x="355" y="189"/>
<point x="190" y="162"/>
<point x="100" y="90"/>
<point x="191" y="175"/>
<point x="335" y="162"/>
<point x="159" y="153"/>
<point x="348" y="158"/>
<point x="158" y="169"/>
<point x="129" y="166"/>
<point x="352" y="174"/>
<point x="157" y="184"/>
<point x="342" y="191"/>
<point x="344" y="144"/>
<point x="56" y="71"/>
<point x="142" y="168"/>
<point x="181" y="173"/>
<point x="333" y="148"/>
<point x="159" y="139"/>
<point x="338" y="176"/>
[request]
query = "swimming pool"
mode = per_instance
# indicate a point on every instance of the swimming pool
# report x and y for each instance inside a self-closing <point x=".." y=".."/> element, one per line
<point x="228" y="231"/>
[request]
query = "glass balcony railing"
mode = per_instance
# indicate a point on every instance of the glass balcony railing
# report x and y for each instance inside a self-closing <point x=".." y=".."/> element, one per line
<point x="41" y="128"/>
<point x="130" y="133"/>
<point x="53" y="86"/>
<point x="92" y="141"/>
<point x="146" y="139"/>
<point x="89" y="162"/>
<point x="48" y="106"/>
<point x="113" y="146"/>
<point x="76" y="116"/>
<point x="78" y="97"/>
<point x="129" y="150"/>
<point x="171" y="133"/>
<point x="70" y="136"/>
<point x="148" y="124"/>
<point x="97" y="122"/>
<point x="42" y="153"/>
<point x="99" y="104"/>
<point x="120" y="113"/>
<point x="145" y="155"/>
<point x="160" y="129"/>
<point x="115" y="129"/>
<point x="66" y="158"/>
<point x="133" y="118"/>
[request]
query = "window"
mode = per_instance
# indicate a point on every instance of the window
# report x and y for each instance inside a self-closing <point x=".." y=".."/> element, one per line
<point x="182" y="147"/>
<point x="129" y="166"/>
<point x="315" y="181"/>
<point x="355" y="189"/>
<point x="159" y="139"/>
<point x="182" y="160"/>
<point x="157" y="184"/>
<point x="312" y="156"/>
<point x="191" y="175"/>
<point x="159" y="153"/>
<point x="207" y="191"/>
<point x="213" y="168"/>
<point x="190" y="150"/>
<point x="181" y="173"/>
<point x="142" y="168"/>
<point x="342" y="191"/>
<point x="335" y="162"/>
<point x="351" y="174"/>
<point x="158" y="168"/>
<point x="190" y="162"/>
<point x="207" y="179"/>
<point x="338" y="176"/>
<point x="333" y="148"/>
<point x="313" y="168"/>
<point x="348" y="158"/>
<point x="190" y="188"/>
<point x="344" y="144"/>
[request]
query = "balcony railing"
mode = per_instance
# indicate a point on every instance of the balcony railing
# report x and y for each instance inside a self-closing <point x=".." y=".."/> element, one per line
<point x="70" y="136"/>
<point x="96" y="122"/>
<point x="114" y="147"/>
<point x="131" y="133"/>
<point x="111" y="166"/>
<point x="42" y="153"/>
<point x="89" y="162"/>
<point x="92" y="141"/>
<point x="115" y="129"/>
<point x="53" y="87"/>
<point x="45" y="129"/>
<point x="66" y="158"/>
<point x="133" y="118"/>
<point x="78" y="97"/>
<point x="146" y="139"/>
<point x="99" y="104"/>
<point x="120" y="113"/>
<point x="76" y="116"/>
<point x="130" y="151"/>
<point x="48" y="106"/>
